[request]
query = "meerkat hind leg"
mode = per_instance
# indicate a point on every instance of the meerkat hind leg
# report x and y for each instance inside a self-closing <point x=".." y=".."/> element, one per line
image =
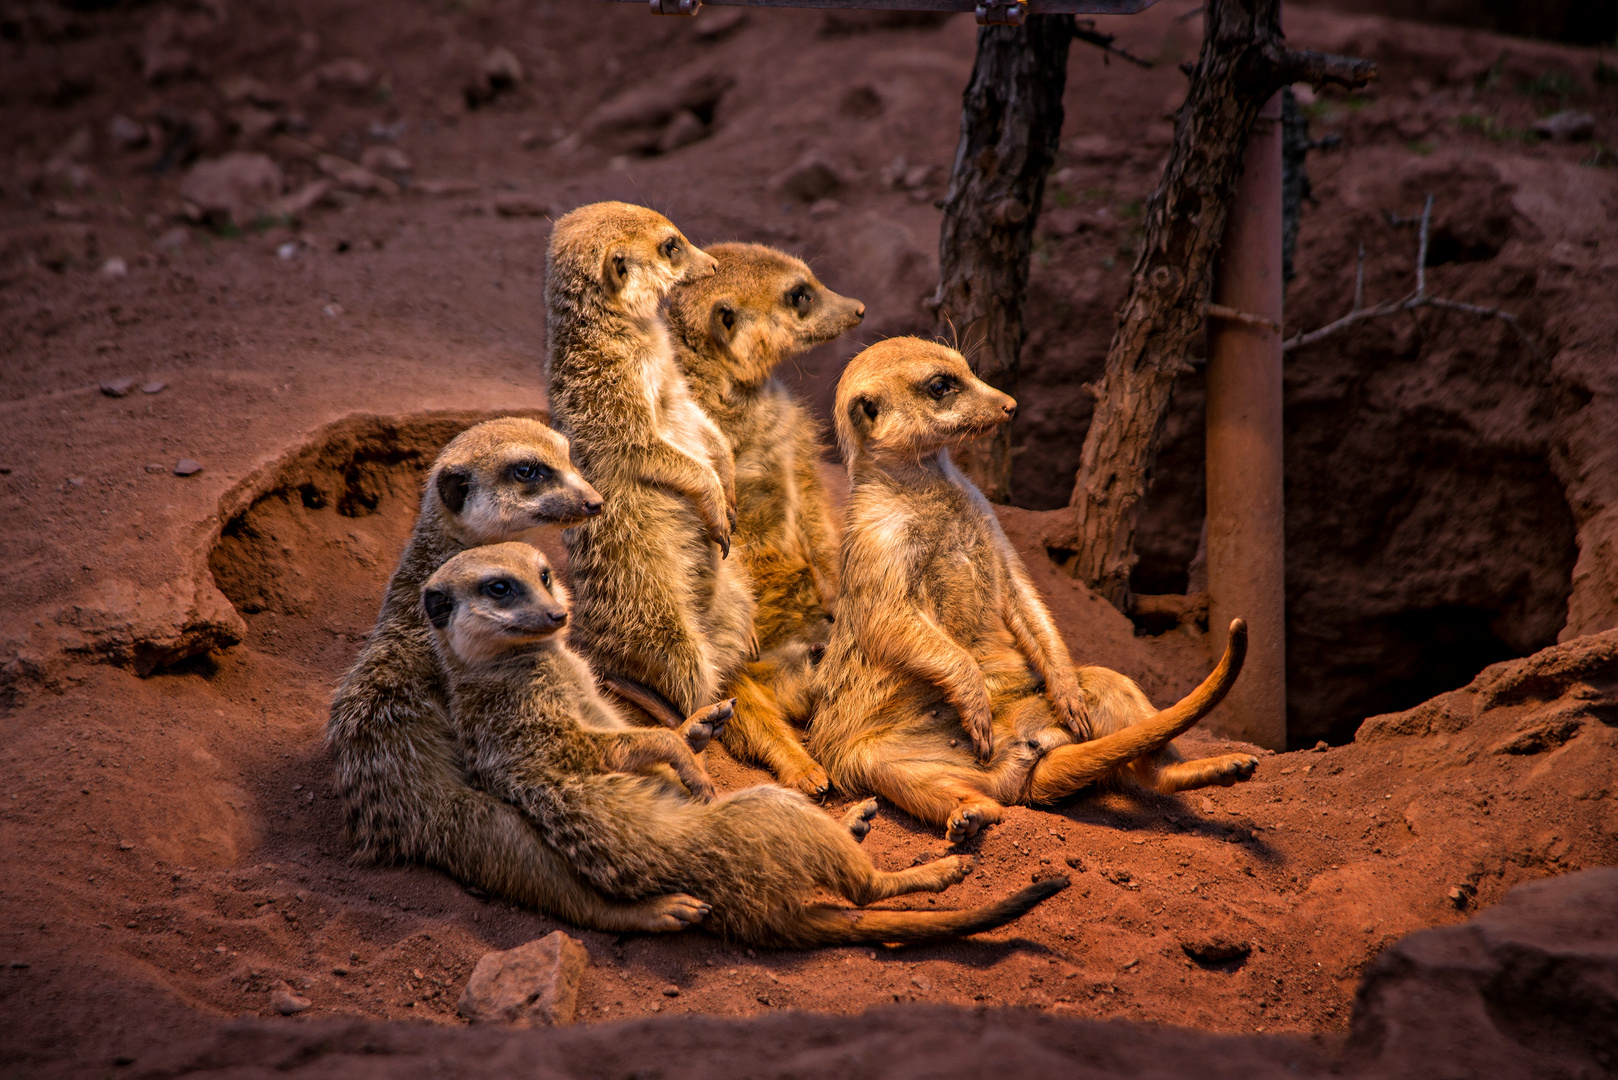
<point x="1221" y="771"/>
<point x="858" y="818"/>
<point x="940" y="794"/>
<point x="707" y="724"/>
<point x="935" y="876"/>
<point x="759" y="732"/>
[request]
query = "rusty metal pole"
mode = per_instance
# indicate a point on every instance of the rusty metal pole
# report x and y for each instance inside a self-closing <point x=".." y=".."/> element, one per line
<point x="1246" y="544"/>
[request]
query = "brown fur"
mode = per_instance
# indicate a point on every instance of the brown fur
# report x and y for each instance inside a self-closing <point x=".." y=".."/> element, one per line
<point x="946" y="687"/>
<point x="398" y="767"/>
<point x="656" y="599"/>
<point x="731" y="332"/>
<point x="537" y="734"/>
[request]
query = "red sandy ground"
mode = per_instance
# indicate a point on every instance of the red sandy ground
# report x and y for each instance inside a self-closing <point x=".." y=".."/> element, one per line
<point x="174" y="850"/>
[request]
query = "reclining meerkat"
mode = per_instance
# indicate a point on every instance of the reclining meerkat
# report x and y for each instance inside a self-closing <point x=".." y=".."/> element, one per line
<point x="535" y="733"/>
<point x="945" y="687"/>
<point x="399" y="769"/>
<point x="656" y="599"/>
<point x="731" y="332"/>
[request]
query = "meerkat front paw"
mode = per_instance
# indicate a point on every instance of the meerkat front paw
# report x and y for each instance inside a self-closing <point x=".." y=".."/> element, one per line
<point x="858" y="818"/>
<point x="675" y="911"/>
<point x="978" y="720"/>
<point x="705" y="725"/>
<point x="812" y="781"/>
<point x="1071" y="707"/>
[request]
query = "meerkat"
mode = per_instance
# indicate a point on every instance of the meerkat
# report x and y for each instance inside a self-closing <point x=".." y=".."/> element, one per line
<point x="535" y="732"/>
<point x="399" y="769"/>
<point x="656" y="600"/>
<point x="731" y="331"/>
<point x="945" y="686"/>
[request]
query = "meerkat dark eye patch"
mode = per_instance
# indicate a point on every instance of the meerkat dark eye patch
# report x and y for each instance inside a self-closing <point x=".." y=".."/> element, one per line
<point x="454" y="485"/>
<point x="503" y="590"/>
<point x="801" y="299"/>
<point x="531" y="472"/>
<point x="670" y="246"/>
<point x="439" y="606"/>
<point x="941" y="385"/>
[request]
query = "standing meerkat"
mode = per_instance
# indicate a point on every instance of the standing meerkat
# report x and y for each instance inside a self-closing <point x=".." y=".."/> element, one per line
<point x="399" y="768"/>
<point x="731" y="333"/>
<point x="656" y="600"/>
<point x="535" y="733"/>
<point x="946" y="687"/>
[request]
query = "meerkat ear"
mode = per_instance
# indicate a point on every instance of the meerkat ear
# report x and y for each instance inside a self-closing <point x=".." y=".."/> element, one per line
<point x="722" y="323"/>
<point x="615" y="270"/>
<point x="862" y="411"/>
<point x="439" y="606"/>
<point x="454" y="485"/>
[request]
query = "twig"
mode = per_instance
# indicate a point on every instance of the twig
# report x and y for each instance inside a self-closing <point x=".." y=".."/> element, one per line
<point x="1085" y="30"/>
<point x="1247" y="318"/>
<point x="1419" y="299"/>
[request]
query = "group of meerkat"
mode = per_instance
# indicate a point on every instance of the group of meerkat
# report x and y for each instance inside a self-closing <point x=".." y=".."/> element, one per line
<point x="541" y="742"/>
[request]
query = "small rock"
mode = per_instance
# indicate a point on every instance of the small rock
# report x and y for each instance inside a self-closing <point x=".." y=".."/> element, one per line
<point x="1075" y="862"/>
<point x="501" y="70"/>
<point x="117" y="387"/>
<point x="824" y="208"/>
<point x="1322" y="746"/>
<point x="921" y="982"/>
<point x="671" y="991"/>
<point x="155" y="468"/>
<point x="115" y="267"/>
<point x="384" y="159"/>
<point x="287" y="1003"/>
<point x="332" y="310"/>
<point x="126" y="134"/>
<point x="811" y="178"/>
<point x="354" y="177"/>
<point x="287" y="251"/>
<point x="76" y="481"/>
<point x="234" y="187"/>
<point x="529" y="986"/>
<point x="1207" y="805"/>
<point x="1570" y="125"/>
<point x="187" y="467"/>
<point x="20" y="965"/>
<point x="173" y="240"/>
<point x="685" y="129"/>
<point x="340" y="971"/>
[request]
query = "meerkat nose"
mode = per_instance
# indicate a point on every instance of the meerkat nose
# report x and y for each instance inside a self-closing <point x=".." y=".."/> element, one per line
<point x="556" y="618"/>
<point x="592" y="507"/>
<point x="1010" y="408"/>
<point x="859" y="311"/>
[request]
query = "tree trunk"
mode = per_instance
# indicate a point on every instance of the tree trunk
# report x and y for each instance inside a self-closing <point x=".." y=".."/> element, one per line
<point x="1242" y="63"/>
<point x="1011" y="121"/>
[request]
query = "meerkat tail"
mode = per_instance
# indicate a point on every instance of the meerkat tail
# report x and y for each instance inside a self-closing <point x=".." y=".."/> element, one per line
<point x="656" y="705"/>
<point x="1068" y="768"/>
<point x="825" y="925"/>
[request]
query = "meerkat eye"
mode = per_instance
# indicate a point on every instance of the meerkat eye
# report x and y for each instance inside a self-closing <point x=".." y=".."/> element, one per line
<point x="498" y="589"/>
<point x="801" y="299"/>
<point x="670" y="246"/>
<point x="530" y="472"/>
<point x="545" y="578"/>
<point x="941" y="385"/>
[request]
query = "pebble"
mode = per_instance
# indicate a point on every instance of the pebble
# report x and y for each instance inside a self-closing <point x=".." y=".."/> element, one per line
<point x="921" y="982"/>
<point x="1567" y="126"/>
<point x="332" y="310"/>
<point x="187" y="467"/>
<point x="671" y="991"/>
<point x="533" y="985"/>
<point x="155" y="387"/>
<point x="117" y="387"/>
<point x="115" y="267"/>
<point x="287" y="251"/>
<point x="288" y="1004"/>
<point x="172" y="240"/>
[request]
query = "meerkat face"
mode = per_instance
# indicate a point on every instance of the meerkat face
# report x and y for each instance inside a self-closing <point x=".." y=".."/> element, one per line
<point x="907" y="398"/>
<point x="490" y="601"/>
<point x="505" y="477"/>
<point x="634" y="254"/>
<point x="762" y="306"/>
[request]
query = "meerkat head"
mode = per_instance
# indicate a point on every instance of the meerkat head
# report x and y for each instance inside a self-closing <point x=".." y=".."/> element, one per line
<point x="487" y="602"/>
<point x="762" y="306"/>
<point x="906" y="398"/>
<point x="498" y="480"/>
<point x="632" y="254"/>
